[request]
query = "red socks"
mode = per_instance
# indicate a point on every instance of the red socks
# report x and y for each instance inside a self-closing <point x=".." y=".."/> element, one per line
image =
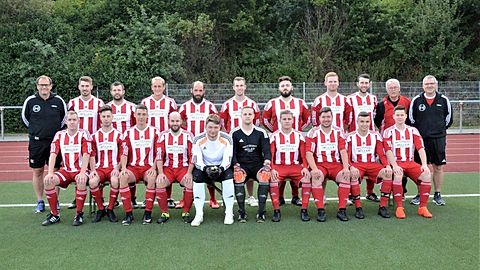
<point x="149" y="198"/>
<point x="318" y="194"/>
<point x="52" y="198"/>
<point x="162" y="197"/>
<point x="306" y="190"/>
<point x="343" y="192"/>
<point x="355" y="191"/>
<point x="113" y="198"/>
<point x="97" y="195"/>
<point x="125" y="195"/>
<point x="386" y="189"/>
<point x="424" y="189"/>
<point x="398" y="194"/>
<point x="274" y="194"/>
<point x="187" y="199"/>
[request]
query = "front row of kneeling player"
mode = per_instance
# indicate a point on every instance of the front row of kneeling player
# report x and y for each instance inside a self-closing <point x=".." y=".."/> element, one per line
<point x="161" y="159"/>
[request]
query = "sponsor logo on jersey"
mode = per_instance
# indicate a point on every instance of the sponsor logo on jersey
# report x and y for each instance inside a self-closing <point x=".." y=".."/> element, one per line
<point x="36" y="108"/>
<point x="422" y="107"/>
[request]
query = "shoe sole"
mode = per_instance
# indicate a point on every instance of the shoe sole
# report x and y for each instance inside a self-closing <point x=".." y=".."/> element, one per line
<point x="439" y="204"/>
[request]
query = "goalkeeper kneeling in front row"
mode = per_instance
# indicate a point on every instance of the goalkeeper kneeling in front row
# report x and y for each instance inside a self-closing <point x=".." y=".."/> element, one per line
<point x="212" y="156"/>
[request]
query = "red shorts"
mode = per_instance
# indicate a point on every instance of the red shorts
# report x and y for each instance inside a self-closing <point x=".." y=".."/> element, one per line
<point x="292" y="172"/>
<point x="66" y="177"/>
<point x="330" y="169"/>
<point x="175" y="174"/>
<point x="369" y="169"/>
<point x="411" y="169"/>
<point x="139" y="172"/>
<point x="104" y="174"/>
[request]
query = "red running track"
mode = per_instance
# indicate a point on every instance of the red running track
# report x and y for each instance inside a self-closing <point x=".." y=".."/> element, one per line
<point x="463" y="155"/>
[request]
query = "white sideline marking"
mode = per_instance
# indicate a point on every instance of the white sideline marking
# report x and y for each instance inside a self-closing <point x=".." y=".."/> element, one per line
<point x="287" y="200"/>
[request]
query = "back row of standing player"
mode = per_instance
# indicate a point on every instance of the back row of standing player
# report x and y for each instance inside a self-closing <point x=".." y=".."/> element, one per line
<point x="344" y="111"/>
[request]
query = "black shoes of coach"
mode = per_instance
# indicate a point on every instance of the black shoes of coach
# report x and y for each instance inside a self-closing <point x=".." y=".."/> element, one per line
<point x="281" y="200"/>
<point x="276" y="216"/>
<point x="51" y="219"/>
<point x="111" y="216"/>
<point x="383" y="212"/>
<point x="321" y="215"/>
<point x="128" y="219"/>
<point x="98" y="217"/>
<point x="296" y="201"/>
<point x="304" y="215"/>
<point x="78" y="220"/>
<point x="342" y="215"/>
<point x="359" y="213"/>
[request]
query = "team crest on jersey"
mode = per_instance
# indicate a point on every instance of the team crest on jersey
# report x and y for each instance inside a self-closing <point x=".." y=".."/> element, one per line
<point x="36" y="108"/>
<point x="422" y="107"/>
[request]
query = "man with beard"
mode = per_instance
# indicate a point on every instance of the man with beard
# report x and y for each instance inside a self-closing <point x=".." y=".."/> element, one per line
<point x="362" y="101"/>
<point x="159" y="107"/>
<point x="174" y="154"/>
<point x="271" y="120"/>
<point x="194" y="113"/>
<point x="123" y="111"/>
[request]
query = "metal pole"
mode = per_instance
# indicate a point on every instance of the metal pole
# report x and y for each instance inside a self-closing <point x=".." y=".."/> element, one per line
<point x="166" y="89"/>
<point x="461" y="116"/>
<point x="1" y="123"/>
<point x="303" y="86"/>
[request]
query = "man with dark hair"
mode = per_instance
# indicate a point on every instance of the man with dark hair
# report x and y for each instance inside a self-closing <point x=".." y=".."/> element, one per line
<point x="251" y="158"/>
<point x="431" y="113"/>
<point x="43" y="114"/>
<point x="271" y="120"/>
<point x="105" y="164"/>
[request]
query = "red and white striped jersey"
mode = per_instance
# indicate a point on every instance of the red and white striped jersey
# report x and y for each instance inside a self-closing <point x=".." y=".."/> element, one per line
<point x="140" y="146"/>
<point x="288" y="149"/>
<point x="158" y="111"/>
<point x="87" y="112"/>
<point x="273" y="108"/>
<point x="71" y="148"/>
<point x="231" y="113"/>
<point x="175" y="150"/>
<point x="402" y="142"/>
<point x="106" y="148"/>
<point x="340" y="106"/>
<point x="195" y="114"/>
<point x="123" y="115"/>
<point x="325" y="147"/>
<point x="366" y="148"/>
<point x="359" y="104"/>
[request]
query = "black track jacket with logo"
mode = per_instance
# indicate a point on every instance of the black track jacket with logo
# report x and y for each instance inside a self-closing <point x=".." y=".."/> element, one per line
<point x="432" y="121"/>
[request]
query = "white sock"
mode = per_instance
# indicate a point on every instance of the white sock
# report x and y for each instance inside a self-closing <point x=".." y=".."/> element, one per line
<point x="199" y="197"/>
<point x="228" y="194"/>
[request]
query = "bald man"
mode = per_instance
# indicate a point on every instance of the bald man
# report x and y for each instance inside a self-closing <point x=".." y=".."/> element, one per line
<point x="174" y="164"/>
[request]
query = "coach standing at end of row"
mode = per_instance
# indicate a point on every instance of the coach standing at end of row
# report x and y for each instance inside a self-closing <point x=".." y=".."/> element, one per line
<point x="431" y="113"/>
<point x="43" y="114"/>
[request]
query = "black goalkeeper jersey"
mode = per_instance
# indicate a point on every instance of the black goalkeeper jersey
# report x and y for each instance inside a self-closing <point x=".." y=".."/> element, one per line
<point x="251" y="149"/>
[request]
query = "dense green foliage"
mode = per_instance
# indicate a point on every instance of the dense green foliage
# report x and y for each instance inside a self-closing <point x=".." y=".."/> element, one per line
<point x="214" y="41"/>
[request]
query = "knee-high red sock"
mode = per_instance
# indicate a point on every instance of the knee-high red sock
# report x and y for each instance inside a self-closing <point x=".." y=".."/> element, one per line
<point x="370" y="185"/>
<point x="318" y="193"/>
<point x="306" y="191"/>
<point x="424" y="189"/>
<point x="211" y="191"/>
<point x="343" y="191"/>
<point x="112" y="198"/>
<point x="80" y="196"/>
<point x="187" y="199"/>
<point x="281" y="190"/>
<point x="398" y="194"/>
<point x="294" y="188"/>
<point x="125" y="195"/>
<point x="386" y="189"/>
<point x="97" y="196"/>
<point x="52" y="198"/>
<point x="162" y="199"/>
<point x="149" y="198"/>
<point x="355" y="191"/>
<point x="274" y="189"/>
<point x="169" y="191"/>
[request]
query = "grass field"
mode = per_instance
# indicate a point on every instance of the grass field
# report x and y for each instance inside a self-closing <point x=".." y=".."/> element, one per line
<point x="450" y="240"/>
